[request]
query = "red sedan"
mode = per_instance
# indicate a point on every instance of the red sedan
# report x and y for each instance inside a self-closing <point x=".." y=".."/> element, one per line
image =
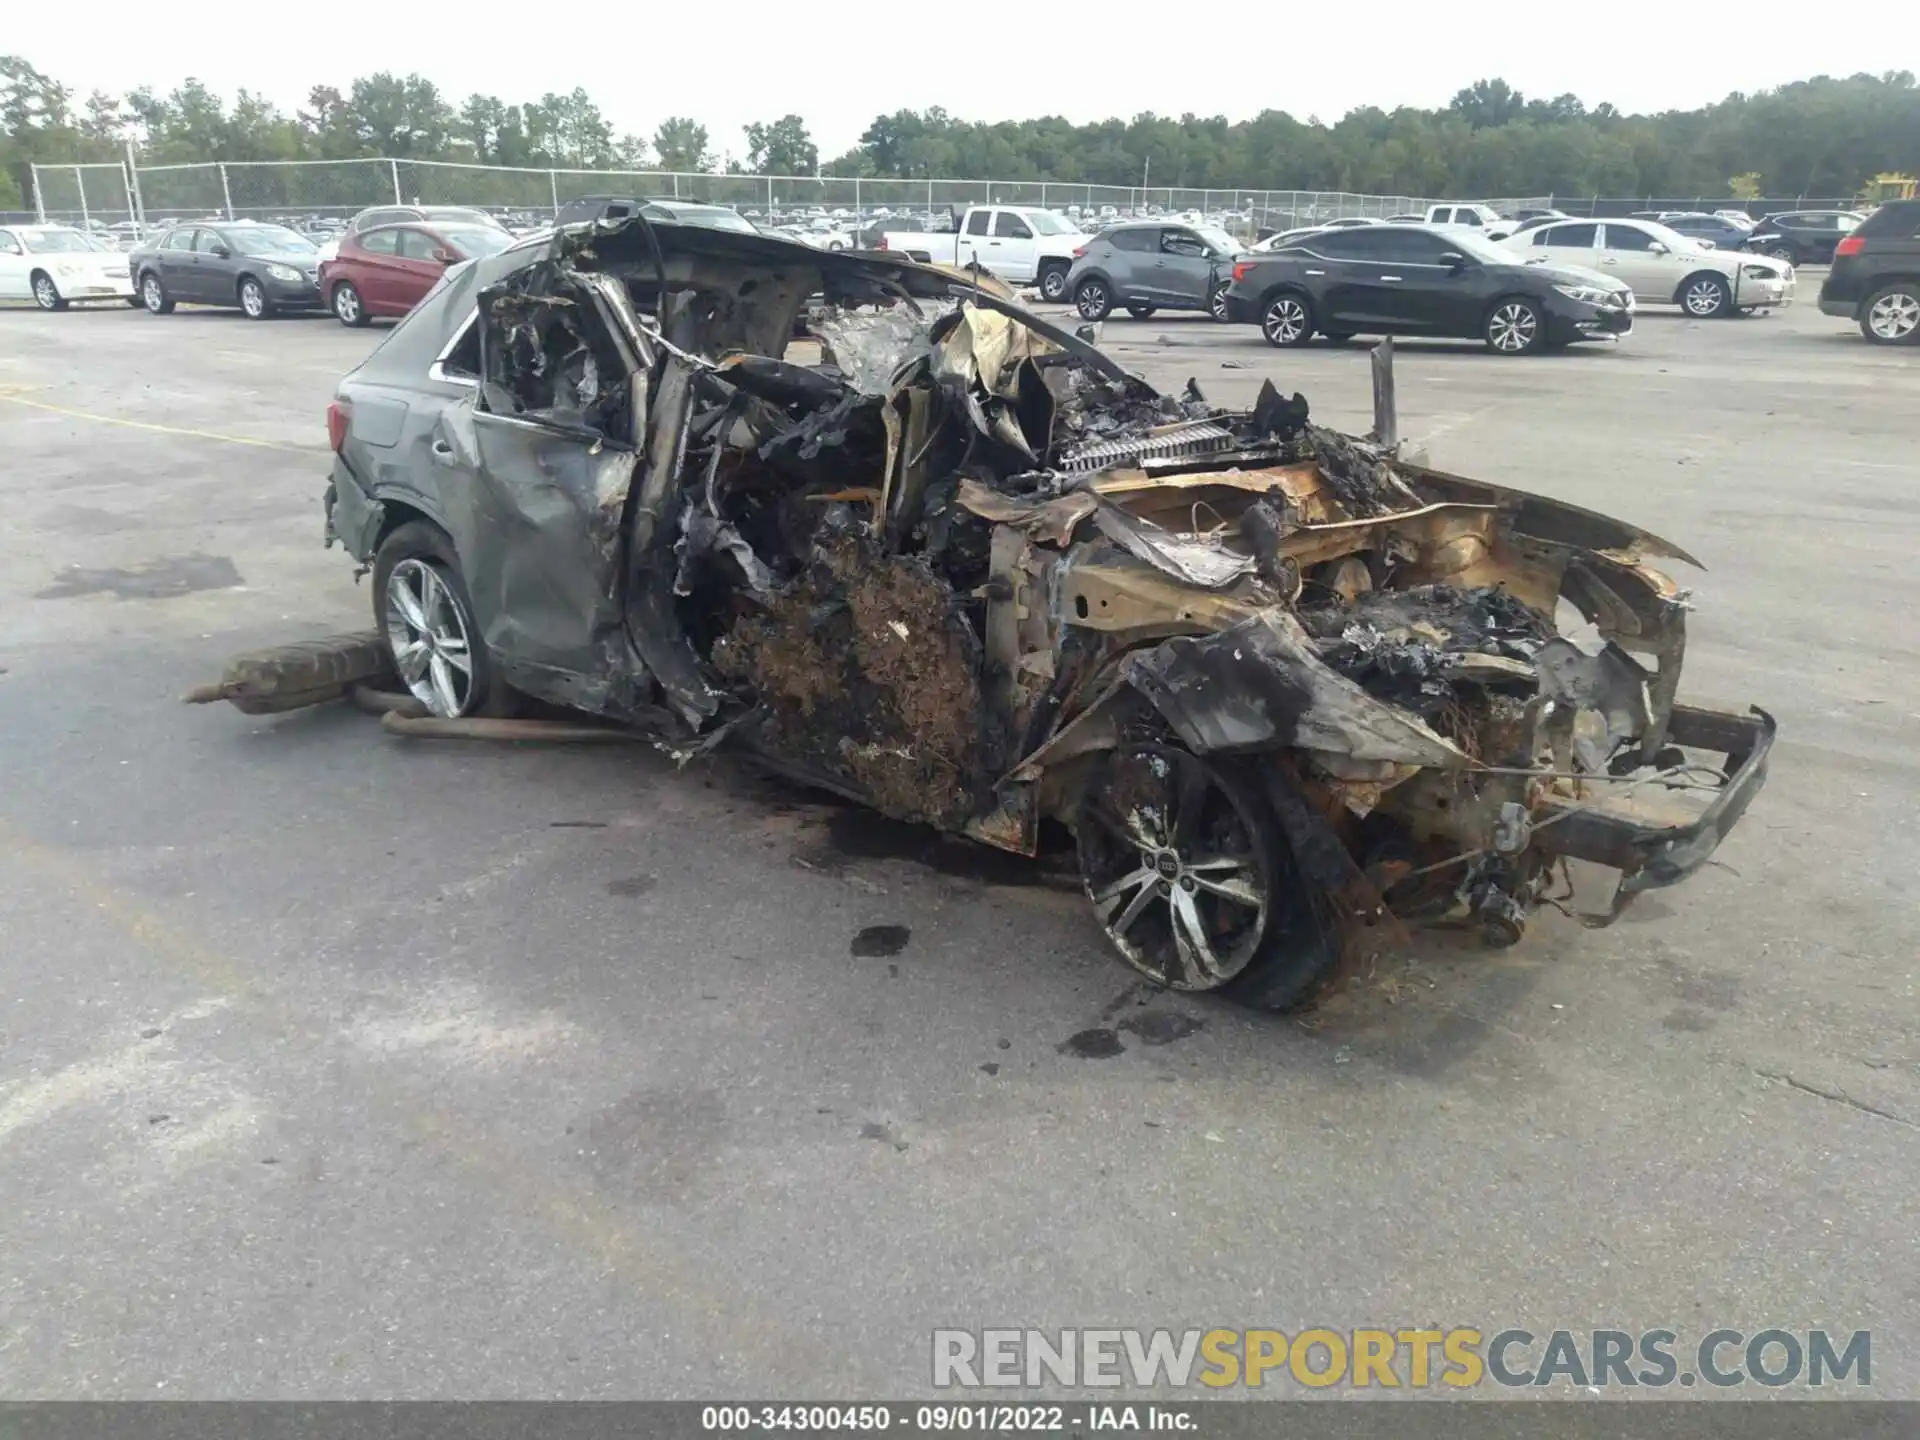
<point x="386" y="271"/>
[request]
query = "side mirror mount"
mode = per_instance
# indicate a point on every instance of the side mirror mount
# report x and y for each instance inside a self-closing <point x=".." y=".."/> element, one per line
<point x="1453" y="260"/>
<point x="1659" y="248"/>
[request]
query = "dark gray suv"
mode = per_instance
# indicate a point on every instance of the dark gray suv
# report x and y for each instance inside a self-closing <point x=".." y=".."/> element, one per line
<point x="1153" y="266"/>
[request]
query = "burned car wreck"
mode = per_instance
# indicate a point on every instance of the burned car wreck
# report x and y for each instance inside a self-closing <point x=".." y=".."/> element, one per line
<point x="1277" y="683"/>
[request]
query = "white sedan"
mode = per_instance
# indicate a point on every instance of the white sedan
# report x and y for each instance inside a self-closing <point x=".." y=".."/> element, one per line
<point x="1662" y="266"/>
<point x="55" y="264"/>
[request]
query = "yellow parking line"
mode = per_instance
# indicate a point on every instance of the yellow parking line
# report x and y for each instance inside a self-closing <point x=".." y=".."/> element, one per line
<point x="160" y="429"/>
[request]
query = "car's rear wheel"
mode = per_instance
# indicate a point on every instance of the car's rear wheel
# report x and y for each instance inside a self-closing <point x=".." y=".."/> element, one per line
<point x="1192" y="881"/>
<point x="1139" y="310"/>
<point x="46" y="294"/>
<point x="1217" y="304"/>
<point x="348" y="307"/>
<point x="1053" y="283"/>
<point x="1891" y="315"/>
<point x="1514" y="327"/>
<point x="253" y="299"/>
<point x="1093" y="299"/>
<point x="424" y="611"/>
<point x="153" y="295"/>
<point x="1287" y="320"/>
<point x="1706" y="296"/>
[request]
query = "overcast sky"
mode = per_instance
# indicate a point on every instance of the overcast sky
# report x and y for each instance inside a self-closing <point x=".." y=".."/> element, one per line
<point x="839" y="65"/>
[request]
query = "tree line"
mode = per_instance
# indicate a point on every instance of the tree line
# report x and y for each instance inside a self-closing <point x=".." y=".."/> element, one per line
<point x="1825" y="136"/>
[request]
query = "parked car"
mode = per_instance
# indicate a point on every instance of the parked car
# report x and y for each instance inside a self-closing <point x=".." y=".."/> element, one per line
<point x="262" y="269"/>
<point x="1714" y="230"/>
<point x="1875" y="278"/>
<point x="1802" y="237"/>
<point x="55" y="265"/>
<point x="375" y="216"/>
<point x="1049" y="639"/>
<point x="1347" y="222"/>
<point x="1284" y="239"/>
<point x="1415" y="280"/>
<point x="387" y="271"/>
<point x="1737" y="217"/>
<point x="1020" y="244"/>
<point x="1147" y="266"/>
<point x="1662" y="266"/>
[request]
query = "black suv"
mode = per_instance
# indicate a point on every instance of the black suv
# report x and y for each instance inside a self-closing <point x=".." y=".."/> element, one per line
<point x="1801" y="237"/>
<point x="1413" y="280"/>
<point x="1876" y="275"/>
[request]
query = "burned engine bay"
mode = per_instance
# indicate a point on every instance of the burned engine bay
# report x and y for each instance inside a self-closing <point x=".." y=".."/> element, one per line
<point x="951" y="560"/>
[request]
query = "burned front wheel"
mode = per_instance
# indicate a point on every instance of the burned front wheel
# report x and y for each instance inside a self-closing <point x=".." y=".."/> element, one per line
<point x="1178" y="861"/>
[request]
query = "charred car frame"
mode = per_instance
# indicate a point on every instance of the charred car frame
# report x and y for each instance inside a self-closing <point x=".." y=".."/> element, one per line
<point x="1277" y="682"/>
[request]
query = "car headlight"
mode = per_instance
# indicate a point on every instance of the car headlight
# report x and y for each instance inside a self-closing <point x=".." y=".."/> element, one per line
<point x="1761" y="272"/>
<point x="286" y="273"/>
<point x="1589" y="295"/>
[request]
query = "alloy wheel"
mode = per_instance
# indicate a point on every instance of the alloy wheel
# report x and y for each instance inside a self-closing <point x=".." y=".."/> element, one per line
<point x="1705" y="297"/>
<point x="45" y="294"/>
<point x="1176" y="866"/>
<point x="1895" y="315"/>
<point x="1285" y="322"/>
<point x="427" y="633"/>
<point x="1053" y="284"/>
<point x="1217" y="303"/>
<point x="150" y="294"/>
<point x="253" y="300"/>
<point x="1092" y="301"/>
<point x="346" y="305"/>
<point x="1513" y="328"/>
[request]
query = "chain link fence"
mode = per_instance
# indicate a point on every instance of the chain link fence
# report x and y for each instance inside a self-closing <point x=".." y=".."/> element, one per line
<point x="267" y="190"/>
<point x="100" y="193"/>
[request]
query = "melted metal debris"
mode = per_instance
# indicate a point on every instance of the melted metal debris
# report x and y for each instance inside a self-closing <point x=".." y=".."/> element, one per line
<point x="1406" y="646"/>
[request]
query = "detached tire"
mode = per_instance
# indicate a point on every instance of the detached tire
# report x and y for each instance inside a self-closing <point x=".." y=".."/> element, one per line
<point x="425" y="616"/>
<point x="1093" y="299"/>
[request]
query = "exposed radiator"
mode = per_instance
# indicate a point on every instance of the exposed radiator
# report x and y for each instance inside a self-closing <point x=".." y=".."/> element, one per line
<point x="1189" y="437"/>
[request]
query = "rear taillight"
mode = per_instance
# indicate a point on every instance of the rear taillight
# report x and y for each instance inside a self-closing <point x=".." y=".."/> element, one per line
<point x="881" y="243"/>
<point x="1079" y="251"/>
<point x="339" y="416"/>
<point x="1240" y="269"/>
<point x="1850" y="245"/>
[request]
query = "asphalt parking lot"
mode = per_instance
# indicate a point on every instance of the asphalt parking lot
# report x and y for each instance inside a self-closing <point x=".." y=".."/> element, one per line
<point x="337" y="1065"/>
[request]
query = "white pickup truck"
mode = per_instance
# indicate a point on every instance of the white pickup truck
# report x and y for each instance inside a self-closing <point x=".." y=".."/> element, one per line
<point x="1020" y="244"/>
<point x="1477" y="217"/>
